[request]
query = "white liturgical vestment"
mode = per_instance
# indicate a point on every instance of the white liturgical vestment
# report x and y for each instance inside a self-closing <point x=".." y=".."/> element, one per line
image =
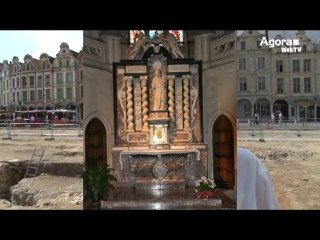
<point x="254" y="184"/>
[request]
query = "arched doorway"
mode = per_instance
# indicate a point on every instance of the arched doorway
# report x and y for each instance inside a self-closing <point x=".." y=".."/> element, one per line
<point x="95" y="141"/>
<point x="280" y="106"/>
<point x="262" y="107"/>
<point x="310" y="113"/>
<point x="223" y="153"/>
<point x="243" y="109"/>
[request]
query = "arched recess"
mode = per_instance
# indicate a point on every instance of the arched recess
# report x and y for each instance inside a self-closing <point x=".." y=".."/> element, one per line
<point x="95" y="141"/>
<point x="262" y="107"/>
<point x="280" y="106"/>
<point x="244" y="109"/>
<point x="223" y="152"/>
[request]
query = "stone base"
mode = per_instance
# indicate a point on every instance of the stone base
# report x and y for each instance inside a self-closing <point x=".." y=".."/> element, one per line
<point x="181" y="204"/>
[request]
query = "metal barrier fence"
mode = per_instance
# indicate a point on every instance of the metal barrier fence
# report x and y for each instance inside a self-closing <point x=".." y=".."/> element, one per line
<point x="40" y="129"/>
<point x="266" y="127"/>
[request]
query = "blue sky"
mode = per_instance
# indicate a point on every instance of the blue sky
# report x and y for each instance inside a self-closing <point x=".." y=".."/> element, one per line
<point x="291" y="34"/>
<point x="20" y="43"/>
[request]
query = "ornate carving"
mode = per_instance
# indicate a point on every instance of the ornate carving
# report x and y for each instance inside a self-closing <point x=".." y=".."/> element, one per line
<point x="186" y="104"/>
<point x="144" y="99"/>
<point x="158" y="115"/>
<point x="179" y="114"/>
<point x="130" y="125"/>
<point x="137" y="137"/>
<point x="182" y="137"/>
<point x="122" y="99"/>
<point x="224" y="46"/>
<point x="160" y="170"/>
<point x="171" y="100"/>
<point x="143" y="42"/>
<point x="194" y="96"/>
<point x="137" y="104"/>
<point x="171" y="44"/>
<point x="93" y="50"/>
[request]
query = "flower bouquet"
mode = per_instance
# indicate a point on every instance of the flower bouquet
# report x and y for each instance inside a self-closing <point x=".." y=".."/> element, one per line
<point x="205" y="188"/>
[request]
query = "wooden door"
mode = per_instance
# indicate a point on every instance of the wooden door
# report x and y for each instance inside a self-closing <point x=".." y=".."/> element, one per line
<point x="223" y="153"/>
<point x="95" y="141"/>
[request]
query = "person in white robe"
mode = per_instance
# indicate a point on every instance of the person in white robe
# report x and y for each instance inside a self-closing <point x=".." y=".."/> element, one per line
<point x="254" y="184"/>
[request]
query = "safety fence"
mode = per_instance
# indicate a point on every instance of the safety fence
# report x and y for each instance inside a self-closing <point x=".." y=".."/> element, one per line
<point x="48" y="130"/>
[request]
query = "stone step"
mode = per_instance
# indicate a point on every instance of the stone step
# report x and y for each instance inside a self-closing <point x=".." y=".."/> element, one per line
<point x="178" y="204"/>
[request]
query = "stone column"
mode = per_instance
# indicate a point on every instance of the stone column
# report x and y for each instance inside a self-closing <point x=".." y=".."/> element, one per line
<point x="171" y="100"/>
<point x="315" y="111"/>
<point x="130" y="125"/>
<point x="186" y="102"/>
<point x="144" y="99"/>
<point x="179" y="103"/>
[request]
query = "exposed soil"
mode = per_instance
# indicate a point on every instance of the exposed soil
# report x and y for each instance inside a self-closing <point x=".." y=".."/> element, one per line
<point x="293" y="162"/>
<point x="48" y="192"/>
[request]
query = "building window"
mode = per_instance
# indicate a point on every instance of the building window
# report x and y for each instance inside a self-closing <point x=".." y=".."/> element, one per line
<point x="48" y="94"/>
<point x="69" y="77"/>
<point x="67" y="63"/>
<point x="31" y="78"/>
<point x="59" y="78"/>
<point x="60" y="63"/>
<point x="32" y="95"/>
<point x="13" y="83"/>
<point x="40" y="97"/>
<point x="69" y="93"/>
<point x="304" y="48"/>
<point x="81" y="75"/>
<point x="18" y="82"/>
<point x="24" y="82"/>
<point x="261" y="83"/>
<point x="24" y="96"/>
<point x="40" y="81"/>
<point x="243" y="84"/>
<point x="47" y="77"/>
<point x="296" y="65"/>
<point x="242" y="64"/>
<point x="60" y="93"/>
<point x="18" y="96"/>
<point x="307" y="65"/>
<point x="82" y="91"/>
<point x="28" y="66"/>
<point x="279" y="65"/>
<point x="307" y="85"/>
<point x="261" y="63"/>
<point x="242" y="45"/>
<point x="44" y="65"/>
<point x="296" y="85"/>
<point x="13" y="97"/>
<point x="258" y="44"/>
<point x="280" y="85"/>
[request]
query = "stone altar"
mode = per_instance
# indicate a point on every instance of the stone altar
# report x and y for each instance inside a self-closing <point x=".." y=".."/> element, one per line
<point x="158" y="119"/>
<point x="161" y="169"/>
